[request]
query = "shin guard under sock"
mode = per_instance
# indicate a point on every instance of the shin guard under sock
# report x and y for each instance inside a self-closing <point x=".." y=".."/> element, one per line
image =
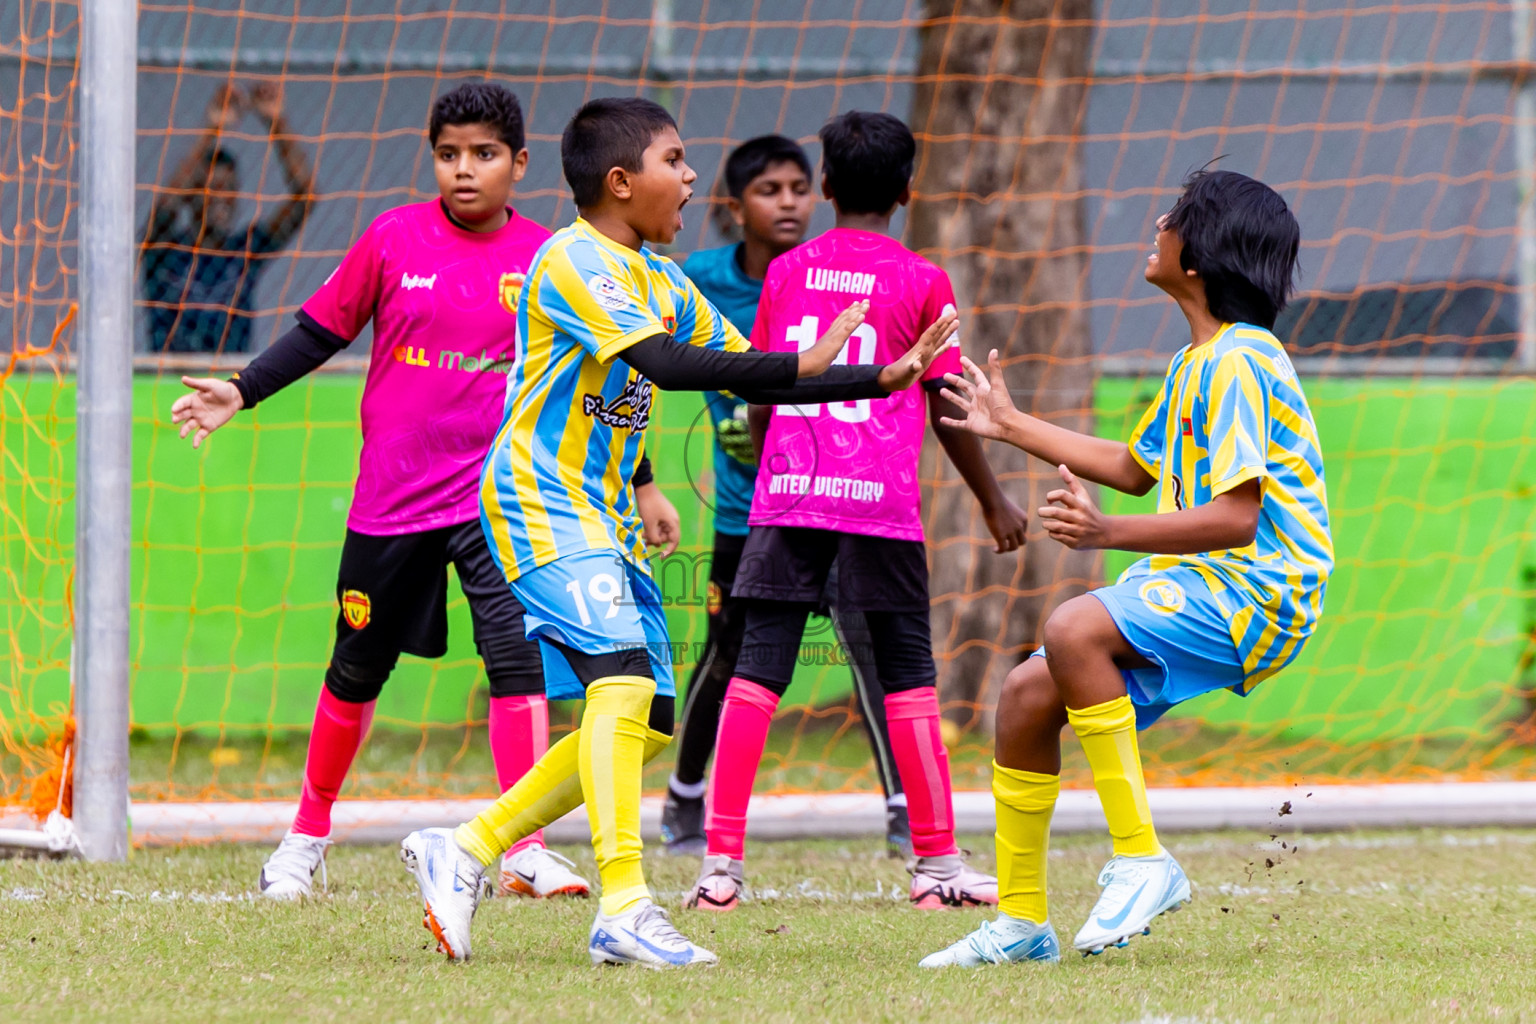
<point x="333" y="744"/>
<point x="519" y="735"/>
<point x="923" y="763"/>
<point x="1025" y="802"/>
<point x="612" y="754"/>
<point x="1108" y="734"/>
<point x="745" y="715"/>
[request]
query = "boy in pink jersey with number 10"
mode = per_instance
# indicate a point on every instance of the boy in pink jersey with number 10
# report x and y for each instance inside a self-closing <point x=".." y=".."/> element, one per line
<point x="838" y="485"/>
<point x="440" y="281"/>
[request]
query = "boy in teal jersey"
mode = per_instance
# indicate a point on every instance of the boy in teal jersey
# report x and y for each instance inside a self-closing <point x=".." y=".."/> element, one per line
<point x="602" y="318"/>
<point x="1239" y="554"/>
<point x="768" y="181"/>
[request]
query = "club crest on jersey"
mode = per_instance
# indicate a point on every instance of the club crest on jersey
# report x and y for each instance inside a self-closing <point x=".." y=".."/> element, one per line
<point x="630" y="411"/>
<point x="356" y="608"/>
<point x="1163" y="596"/>
<point x="606" y="292"/>
<point x="510" y="290"/>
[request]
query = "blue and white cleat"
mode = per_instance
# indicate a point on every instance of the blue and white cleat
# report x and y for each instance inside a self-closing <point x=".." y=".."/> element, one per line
<point x="1136" y="889"/>
<point x="643" y="936"/>
<point x="1006" y="940"/>
<point x="451" y="883"/>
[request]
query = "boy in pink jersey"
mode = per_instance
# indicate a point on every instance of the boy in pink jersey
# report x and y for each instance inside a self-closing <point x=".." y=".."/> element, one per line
<point x="440" y="281"/>
<point x="838" y="484"/>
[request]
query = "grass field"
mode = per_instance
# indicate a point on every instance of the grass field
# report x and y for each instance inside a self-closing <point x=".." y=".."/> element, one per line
<point x="1421" y="926"/>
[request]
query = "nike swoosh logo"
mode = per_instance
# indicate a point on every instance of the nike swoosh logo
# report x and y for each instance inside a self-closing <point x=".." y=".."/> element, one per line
<point x="1042" y="943"/>
<point x="676" y="959"/>
<point x="1125" y="911"/>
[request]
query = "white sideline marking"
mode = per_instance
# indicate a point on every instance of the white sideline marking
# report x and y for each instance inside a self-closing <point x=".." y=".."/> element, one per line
<point x="845" y="815"/>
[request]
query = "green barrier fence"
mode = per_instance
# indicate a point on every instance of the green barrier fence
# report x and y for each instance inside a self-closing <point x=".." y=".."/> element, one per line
<point x="1432" y="485"/>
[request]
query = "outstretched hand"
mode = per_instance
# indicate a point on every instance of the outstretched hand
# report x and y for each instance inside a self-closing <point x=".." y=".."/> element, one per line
<point x="815" y="360"/>
<point x="211" y="404"/>
<point x="1072" y="518"/>
<point x="904" y="372"/>
<point x="983" y="397"/>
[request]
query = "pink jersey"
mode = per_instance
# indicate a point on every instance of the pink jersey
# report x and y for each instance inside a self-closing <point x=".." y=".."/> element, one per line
<point x="443" y="301"/>
<point x="849" y="466"/>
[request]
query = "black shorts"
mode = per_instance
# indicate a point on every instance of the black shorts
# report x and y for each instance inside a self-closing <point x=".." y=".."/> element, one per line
<point x="724" y="560"/>
<point x="393" y="593"/>
<point x="874" y="574"/>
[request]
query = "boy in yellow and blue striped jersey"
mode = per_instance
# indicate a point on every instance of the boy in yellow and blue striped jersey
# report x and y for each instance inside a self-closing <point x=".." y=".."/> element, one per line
<point x="601" y="319"/>
<point x="1239" y="554"/>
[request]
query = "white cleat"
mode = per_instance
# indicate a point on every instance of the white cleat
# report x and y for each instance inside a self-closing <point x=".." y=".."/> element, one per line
<point x="721" y="886"/>
<point x="644" y="936"/>
<point x="1136" y="889"/>
<point x="540" y="873"/>
<point x="451" y="882"/>
<point x="939" y="882"/>
<point x="289" y="874"/>
<point x="1006" y="940"/>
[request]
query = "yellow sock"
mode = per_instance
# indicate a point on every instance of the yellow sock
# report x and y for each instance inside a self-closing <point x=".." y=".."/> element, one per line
<point x="532" y="802"/>
<point x="550" y="791"/>
<point x="1108" y="735"/>
<point x="613" y="734"/>
<point x="1025" y="801"/>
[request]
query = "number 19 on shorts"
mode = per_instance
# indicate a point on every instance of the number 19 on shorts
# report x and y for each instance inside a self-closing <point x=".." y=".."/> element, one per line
<point x="605" y="591"/>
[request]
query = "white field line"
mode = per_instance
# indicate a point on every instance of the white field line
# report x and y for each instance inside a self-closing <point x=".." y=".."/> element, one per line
<point x="1269" y="809"/>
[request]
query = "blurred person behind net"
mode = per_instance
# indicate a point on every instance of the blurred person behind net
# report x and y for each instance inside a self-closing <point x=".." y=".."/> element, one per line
<point x="199" y="268"/>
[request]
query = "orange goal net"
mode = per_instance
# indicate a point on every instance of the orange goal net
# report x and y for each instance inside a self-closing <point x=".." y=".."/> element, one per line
<point x="1051" y="135"/>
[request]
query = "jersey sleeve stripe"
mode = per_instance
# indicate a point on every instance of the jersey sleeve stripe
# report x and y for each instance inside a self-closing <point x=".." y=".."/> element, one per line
<point x="1236" y="480"/>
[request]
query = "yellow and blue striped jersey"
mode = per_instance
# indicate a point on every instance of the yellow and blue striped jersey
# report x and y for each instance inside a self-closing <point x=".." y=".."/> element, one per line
<point x="557" y="478"/>
<point x="1231" y="411"/>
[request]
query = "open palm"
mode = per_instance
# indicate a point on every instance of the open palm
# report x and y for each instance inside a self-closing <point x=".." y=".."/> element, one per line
<point x="982" y="396"/>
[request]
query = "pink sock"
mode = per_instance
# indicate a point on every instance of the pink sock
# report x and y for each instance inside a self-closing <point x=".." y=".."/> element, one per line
<point x="923" y="764"/>
<point x="744" y="717"/>
<point x="339" y="730"/>
<point x="519" y="729"/>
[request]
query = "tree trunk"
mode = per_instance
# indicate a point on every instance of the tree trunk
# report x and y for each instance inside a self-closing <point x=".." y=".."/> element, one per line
<point x="999" y="111"/>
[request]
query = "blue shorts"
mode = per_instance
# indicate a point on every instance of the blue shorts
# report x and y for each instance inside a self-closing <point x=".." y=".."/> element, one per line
<point x="1173" y="621"/>
<point x="595" y="602"/>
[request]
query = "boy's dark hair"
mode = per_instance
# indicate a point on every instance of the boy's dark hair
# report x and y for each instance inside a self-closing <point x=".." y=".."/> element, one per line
<point x="1242" y="240"/>
<point x="480" y="103"/>
<point x="866" y="159"/>
<point x="755" y="156"/>
<point x="605" y="134"/>
<point x="221" y="157"/>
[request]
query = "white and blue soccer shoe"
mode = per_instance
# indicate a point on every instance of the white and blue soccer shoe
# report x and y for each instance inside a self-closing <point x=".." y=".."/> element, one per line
<point x="451" y="882"/>
<point x="1136" y="889"/>
<point x="1006" y="940"/>
<point x="643" y="936"/>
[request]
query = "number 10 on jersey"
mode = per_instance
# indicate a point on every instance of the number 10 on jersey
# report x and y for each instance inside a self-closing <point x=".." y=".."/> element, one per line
<point x="860" y="351"/>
